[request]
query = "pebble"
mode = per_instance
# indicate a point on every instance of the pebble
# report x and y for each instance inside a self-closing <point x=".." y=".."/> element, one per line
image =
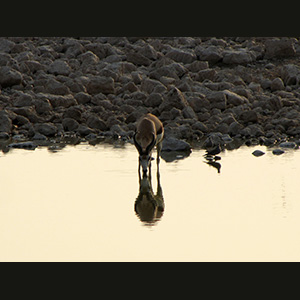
<point x="277" y="151"/>
<point x="258" y="153"/>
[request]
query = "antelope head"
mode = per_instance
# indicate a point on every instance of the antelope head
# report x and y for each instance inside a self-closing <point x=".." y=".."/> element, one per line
<point x="144" y="144"/>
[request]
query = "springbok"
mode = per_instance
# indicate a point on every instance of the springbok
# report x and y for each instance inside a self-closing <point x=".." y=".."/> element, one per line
<point x="149" y="133"/>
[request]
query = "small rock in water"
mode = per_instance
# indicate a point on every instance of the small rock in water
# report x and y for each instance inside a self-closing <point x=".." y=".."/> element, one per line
<point x="277" y="151"/>
<point x="23" y="145"/>
<point x="173" y="144"/>
<point x="258" y="153"/>
<point x="291" y="145"/>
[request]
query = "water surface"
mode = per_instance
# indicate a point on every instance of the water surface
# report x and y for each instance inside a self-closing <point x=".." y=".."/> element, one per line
<point x="79" y="204"/>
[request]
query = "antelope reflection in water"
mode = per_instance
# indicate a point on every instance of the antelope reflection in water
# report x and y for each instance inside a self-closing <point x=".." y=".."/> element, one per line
<point x="148" y="206"/>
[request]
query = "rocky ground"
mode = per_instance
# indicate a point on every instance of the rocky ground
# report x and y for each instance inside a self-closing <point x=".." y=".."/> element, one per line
<point x="96" y="88"/>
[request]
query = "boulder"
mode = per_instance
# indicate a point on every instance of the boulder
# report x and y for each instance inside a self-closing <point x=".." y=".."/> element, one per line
<point x="100" y="84"/>
<point x="279" y="48"/>
<point x="234" y="99"/>
<point x="181" y="56"/>
<point x="277" y="84"/>
<point x="47" y="129"/>
<point x="5" y="122"/>
<point x="151" y="85"/>
<point x="249" y="116"/>
<point x="174" y="144"/>
<point x="154" y="100"/>
<point x="138" y="59"/>
<point x="70" y="124"/>
<point x="9" y="77"/>
<point x="212" y="54"/>
<point x="95" y="122"/>
<point x="56" y="88"/>
<point x="290" y="74"/>
<point x="241" y="56"/>
<point x="174" y="98"/>
<point x="217" y="100"/>
<point x="59" y="67"/>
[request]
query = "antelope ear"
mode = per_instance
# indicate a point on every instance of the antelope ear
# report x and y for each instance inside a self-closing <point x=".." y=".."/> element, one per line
<point x="137" y="145"/>
<point x="151" y="145"/>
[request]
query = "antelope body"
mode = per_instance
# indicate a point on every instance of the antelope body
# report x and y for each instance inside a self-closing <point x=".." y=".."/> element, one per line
<point x="149" y="133"/>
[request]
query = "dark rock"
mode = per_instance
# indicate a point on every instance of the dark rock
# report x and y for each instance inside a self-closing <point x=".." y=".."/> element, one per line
<point x="59" y="67"/>
<point x="47" y="129"/>
<point x="198" y="103"/>
<point x="28" y="112"/>
<point x="23" y="100"/>
<point x="70" y="124"/>
<point x="241" y="56"/>
<point x="200" y="126"/>
<point x="84" y="130"/>
<point x="290" y="145"/>
<point x="290" y="74"/>
<point x="277" y="151"/>
<point x="249" y="116"/>
<point x="234" y="99"/>
<point x="134" y="116"/>
<point x="42" y="105"/>
<point x="150" y="85"/>
<point x="197" y="66"/>
<point x="279" y="48"/>
<point x="99" y="84"/>
<point x="277" y="84"/>
<point x="9" y="77"/>
<point x="39" y="137"/>
<point x="82" y="98"/>
<point x="181" y="56"/>
<point x="63" y="101"/>
<point x="174" y="144"/>
<point x="23" y="145"/>
<point x="95" y="122"/>
<point x="212" y="54"/>
<point x="188" y="113"/>
<point x="172" y="70"/>
<point x="154" y="100"/>
<point x="174" y="98"/>
<point x="235" y="128"/>
<point x="74" y="113"/>
<point x="20" y="120"/>
<point x="258" y="153"/>
<point x="5" y="122"/>
<point x="217" y="100"/>
<point x="214" y="139"/>
<point x="209" y="74"/>
<point x="138" y="59"/>
<point x="57" y="88"/>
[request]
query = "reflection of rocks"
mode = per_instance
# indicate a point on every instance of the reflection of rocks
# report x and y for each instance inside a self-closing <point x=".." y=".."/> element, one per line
<point x="169" y="156"/>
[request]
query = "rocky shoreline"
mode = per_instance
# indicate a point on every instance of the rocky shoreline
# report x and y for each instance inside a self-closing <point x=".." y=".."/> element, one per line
<point x="203" y="89"/>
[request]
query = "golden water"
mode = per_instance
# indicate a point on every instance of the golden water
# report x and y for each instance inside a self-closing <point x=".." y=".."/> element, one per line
<point x="78" y="204"/>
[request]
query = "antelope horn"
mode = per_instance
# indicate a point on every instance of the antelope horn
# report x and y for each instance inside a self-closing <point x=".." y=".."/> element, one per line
<point x="151" y="146"/>
<point x="137" y="145"/>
